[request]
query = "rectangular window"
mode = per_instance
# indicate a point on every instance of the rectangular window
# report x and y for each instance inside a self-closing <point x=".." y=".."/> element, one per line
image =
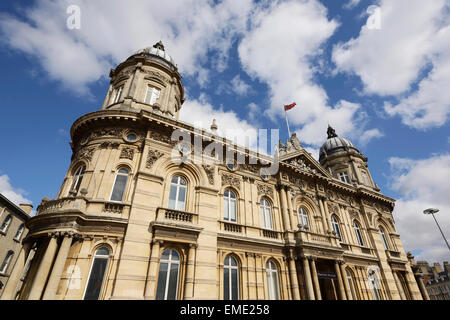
<point x="344" y="177"/>
<point x="151" y="95"/>
<point x="118" y="94"/>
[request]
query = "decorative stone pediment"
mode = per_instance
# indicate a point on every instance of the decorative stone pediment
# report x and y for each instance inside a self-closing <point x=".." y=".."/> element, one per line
<point x="231" y="180"/>
<point x="264" y="189"/>
<point x="127" y="153"/>
<point x="302" y="161"/>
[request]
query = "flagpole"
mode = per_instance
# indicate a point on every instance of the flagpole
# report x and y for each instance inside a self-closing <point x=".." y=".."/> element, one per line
<point x="287" y="123"/>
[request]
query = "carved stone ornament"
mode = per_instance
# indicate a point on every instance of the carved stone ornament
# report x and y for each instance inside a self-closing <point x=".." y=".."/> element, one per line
<point x="230" y="180"/>
<point x="85" y="153"/>
<point x="252" y="168"/>
<point x="332" y="208"/>
<point x="152" y="156"/>
<point x="353" y="213"/>
<point x="161" y="137"/>
<point x="300" y="164"/>
<point x="265" y="189"/>
<point x="209" y="169"/>
<point x="127" y="153"/>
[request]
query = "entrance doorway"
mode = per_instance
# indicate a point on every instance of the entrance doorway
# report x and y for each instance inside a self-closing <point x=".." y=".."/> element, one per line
<point x="327" y="280"/>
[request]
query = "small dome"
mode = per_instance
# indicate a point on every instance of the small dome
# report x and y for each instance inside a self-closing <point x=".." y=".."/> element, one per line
<point x="157" y="51"/>
<point x="335" y="144"/>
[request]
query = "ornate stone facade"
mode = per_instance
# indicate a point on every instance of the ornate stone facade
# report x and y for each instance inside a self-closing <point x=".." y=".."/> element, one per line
<point x="125" y="209"/>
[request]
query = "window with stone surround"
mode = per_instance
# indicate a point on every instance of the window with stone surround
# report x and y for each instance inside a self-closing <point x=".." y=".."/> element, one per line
<point x="230" y="279"/>
<point x="97" y="274"/>
<point x="229" y="206"/>
<point x="120" y="184"/>
<point x="169" y="269"/>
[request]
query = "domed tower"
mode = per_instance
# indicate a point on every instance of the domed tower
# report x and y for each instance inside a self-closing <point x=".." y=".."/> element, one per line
<point x="344" y="161"/>
<point x="147" y="80"/>
<point x="110" y="172"/>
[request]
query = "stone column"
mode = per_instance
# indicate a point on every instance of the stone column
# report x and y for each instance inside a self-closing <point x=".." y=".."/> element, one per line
<point x="315" y="279"/>
<point x="9" y="292"/>
<point x="422" y="288"/>
<point x="153" y="266"/>
<point x="345" y="280"/>
<point x="252" y="288"/>
<point x="308" y="280"/>
<point x="291" y="209"/>
<point x="58" y="268"/>
<point x="284" y="208"/>
<point x="293" y="278"/>
<point x="323" y="206"/>
<point x="408" y="285"/>
<point x="364" y="282"/>
<point x="43" y="269"/>
<point x="339" y="279"/>
<point x="189" y="280"/>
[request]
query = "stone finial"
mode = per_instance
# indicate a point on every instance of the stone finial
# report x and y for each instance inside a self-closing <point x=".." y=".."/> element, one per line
<point x="214" y="126"/>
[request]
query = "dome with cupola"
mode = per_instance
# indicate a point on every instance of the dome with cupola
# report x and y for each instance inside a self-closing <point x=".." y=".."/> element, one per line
<point x="335" y="144"/>
<point x="157" y="52"/>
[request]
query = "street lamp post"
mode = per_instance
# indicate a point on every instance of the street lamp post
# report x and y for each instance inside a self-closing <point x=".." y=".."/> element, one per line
<point x="432" y="211"/>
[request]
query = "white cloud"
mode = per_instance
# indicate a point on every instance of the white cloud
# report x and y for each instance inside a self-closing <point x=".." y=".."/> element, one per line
<point x="414" y="35"/>
<point x="369" y="135"/>
<point x="351" y="4"/>
<point x="239" y="86"/>
<point x="190" y="29"/>
<point x="283" y="40"/>
<point x="422" y="184"/>
<point x="236" y="86"/>
<point x="15" y="195"/>
<point x="200" y="113"/>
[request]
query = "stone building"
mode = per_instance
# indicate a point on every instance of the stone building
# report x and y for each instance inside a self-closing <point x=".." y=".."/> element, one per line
<point x="12" y="232"/>
<point x="436" y="279"/>
<point x="141" y="215"/>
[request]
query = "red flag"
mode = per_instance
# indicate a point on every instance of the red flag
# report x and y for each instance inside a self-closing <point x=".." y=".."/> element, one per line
<point x="289" y="106"/>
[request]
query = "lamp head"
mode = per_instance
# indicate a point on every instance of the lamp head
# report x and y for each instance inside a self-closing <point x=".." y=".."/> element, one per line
<point x="430" y="211"/>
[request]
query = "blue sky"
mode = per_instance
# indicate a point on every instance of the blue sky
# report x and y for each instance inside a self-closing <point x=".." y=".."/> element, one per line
<point x="383" y="88"/>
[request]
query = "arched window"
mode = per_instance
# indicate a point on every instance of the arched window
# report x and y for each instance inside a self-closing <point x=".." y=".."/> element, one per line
<point x="358" y="233"/>
<point x="97" y="274"/>
<point x="383" y="237"/>
<point x="169" y="268"/>
<point x="266" y="213"/>
<point x="19" y="232"/>
<point x="229" y="206"/>
<point x="5" y="223"/>
<point x="177" y="195"/>
<point x="230" y="279"/>
<point x="77" y="178"/>
<point x="336" y="228"/>
<point x="303" y="216"/>
<point x="351" y="283"/>
<point x="273" y="287"/>
<point x="6" y="261"/>
<point x="119" y="185"/>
